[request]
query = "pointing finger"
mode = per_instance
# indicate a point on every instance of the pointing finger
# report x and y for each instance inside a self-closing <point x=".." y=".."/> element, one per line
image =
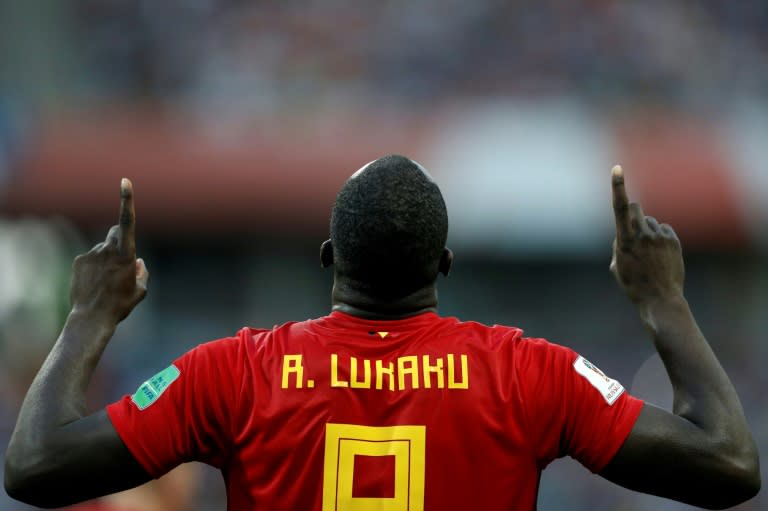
<point x="620" y="204"/>
<point x="637" y="219"/>
<point x="127" y="240"/>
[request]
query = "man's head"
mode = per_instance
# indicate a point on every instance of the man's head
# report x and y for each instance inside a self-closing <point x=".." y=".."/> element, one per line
<point x="388" y="230"/>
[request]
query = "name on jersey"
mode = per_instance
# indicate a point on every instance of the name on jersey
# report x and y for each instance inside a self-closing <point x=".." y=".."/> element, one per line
<point x="403" y="373"/>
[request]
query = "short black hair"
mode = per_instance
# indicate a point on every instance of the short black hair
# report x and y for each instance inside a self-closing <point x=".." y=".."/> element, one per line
<point x="389" y="226"/>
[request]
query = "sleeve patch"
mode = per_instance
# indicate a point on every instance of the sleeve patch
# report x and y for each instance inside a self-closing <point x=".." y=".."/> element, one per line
<point x="609" y="388"/>
<point x="150" y="390"/>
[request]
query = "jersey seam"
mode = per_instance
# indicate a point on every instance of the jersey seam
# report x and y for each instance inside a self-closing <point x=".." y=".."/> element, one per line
<point x="526" y="419"/>
<point x="235" y="424"/>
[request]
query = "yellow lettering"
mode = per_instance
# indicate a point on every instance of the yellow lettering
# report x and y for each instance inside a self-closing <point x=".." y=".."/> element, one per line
<point x="452" y="383"/>
<point x="429" y="369"/>
<point x="412" y="369"/>
<point x="335" y="382"/>
<point x="400" y="375"/>
<point x="354" y="383"/>
<point x="292" y="365"/>
<point x="381" y="372"/>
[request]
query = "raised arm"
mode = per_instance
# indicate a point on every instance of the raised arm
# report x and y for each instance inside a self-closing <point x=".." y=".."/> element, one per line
<point x="57" y="454"/>
<point x="702" y="453"/>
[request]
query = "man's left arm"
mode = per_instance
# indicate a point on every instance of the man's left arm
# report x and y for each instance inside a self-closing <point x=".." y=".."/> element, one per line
<point x="58" y="454"/>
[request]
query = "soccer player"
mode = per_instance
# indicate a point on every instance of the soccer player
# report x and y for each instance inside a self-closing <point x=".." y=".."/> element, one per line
<point x="383" y="404"/>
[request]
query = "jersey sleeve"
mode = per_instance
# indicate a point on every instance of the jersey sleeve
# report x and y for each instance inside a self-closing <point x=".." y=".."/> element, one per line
<point x="571" y="408"/>
<point x="183" y="413"/>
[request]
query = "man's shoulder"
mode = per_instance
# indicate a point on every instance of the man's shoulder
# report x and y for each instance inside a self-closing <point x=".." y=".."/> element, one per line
<point x="494" y="329"/>
<point x="250" y="336"/>
<point x="253" y="333"/>
<point x="514" y="337"/>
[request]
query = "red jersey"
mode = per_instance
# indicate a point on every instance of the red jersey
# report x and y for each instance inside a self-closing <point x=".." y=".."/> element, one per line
<point x="341" y="414"/>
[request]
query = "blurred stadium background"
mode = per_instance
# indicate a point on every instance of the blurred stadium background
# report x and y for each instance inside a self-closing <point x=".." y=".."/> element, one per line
<point x="238" y="121"/>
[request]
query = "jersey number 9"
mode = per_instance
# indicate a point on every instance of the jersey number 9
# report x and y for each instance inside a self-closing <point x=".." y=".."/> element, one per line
<point x="373" y="468"/>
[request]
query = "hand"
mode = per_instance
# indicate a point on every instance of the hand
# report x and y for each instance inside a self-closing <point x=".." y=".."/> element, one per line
<point x="647" y="256"/>
<point x="108" y="280"/>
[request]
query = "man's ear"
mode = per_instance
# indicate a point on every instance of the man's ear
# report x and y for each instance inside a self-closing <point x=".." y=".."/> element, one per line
<point x="446" y="261"/>
<point x="326" y="254"/>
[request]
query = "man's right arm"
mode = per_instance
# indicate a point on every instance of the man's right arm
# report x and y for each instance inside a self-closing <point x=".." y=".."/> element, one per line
<point x="703" y="452"/>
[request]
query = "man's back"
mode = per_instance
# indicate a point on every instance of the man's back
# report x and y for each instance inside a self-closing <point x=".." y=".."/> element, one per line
<point x="344" y="413"/>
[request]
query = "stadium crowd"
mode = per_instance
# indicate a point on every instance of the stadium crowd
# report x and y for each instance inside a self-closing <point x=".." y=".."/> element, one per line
<point x="282" y="55"/>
